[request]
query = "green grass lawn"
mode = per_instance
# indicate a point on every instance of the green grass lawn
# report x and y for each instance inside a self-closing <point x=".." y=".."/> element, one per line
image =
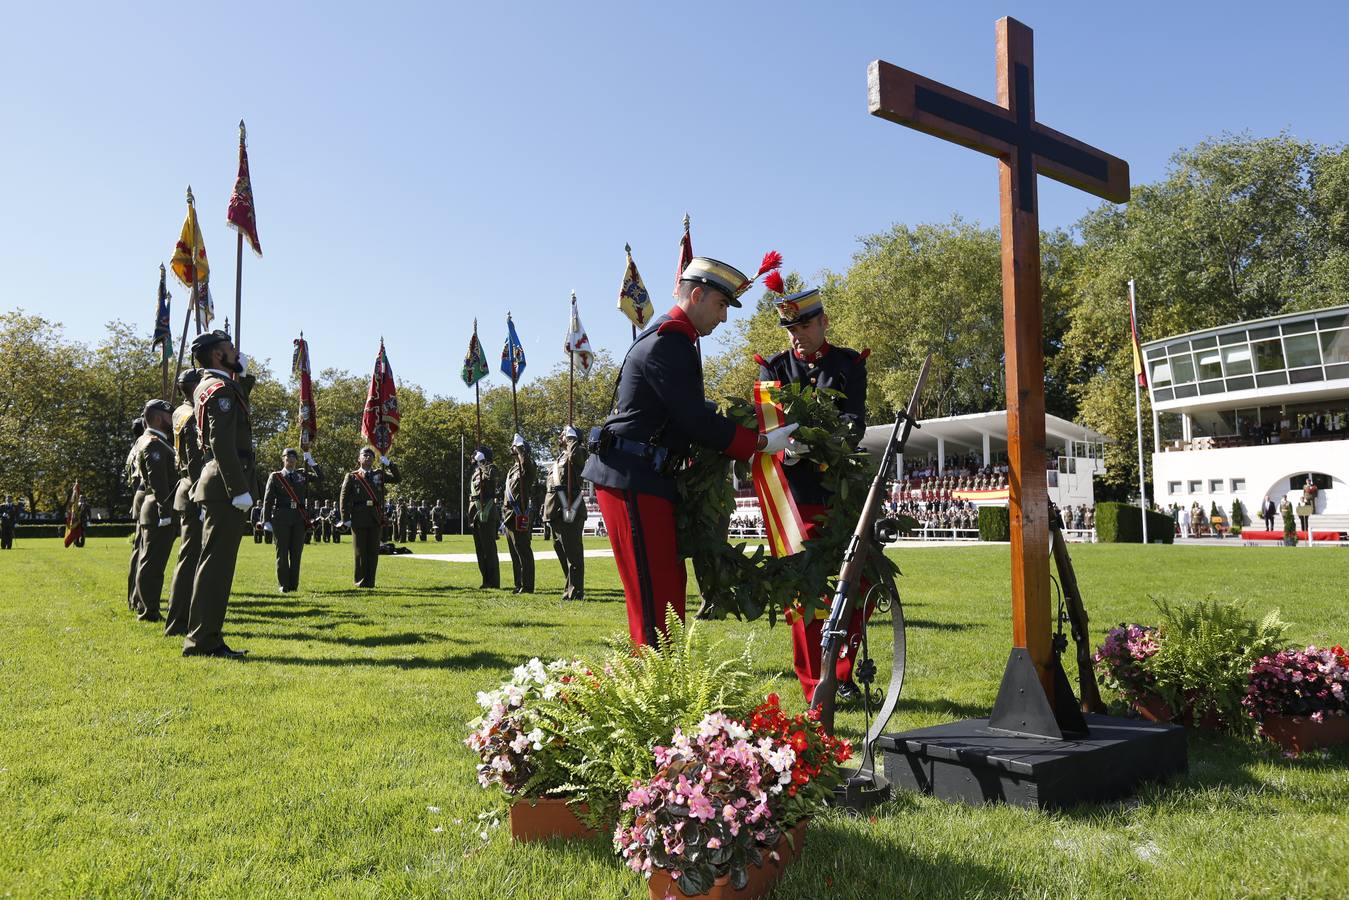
<point x="331" y="762"/>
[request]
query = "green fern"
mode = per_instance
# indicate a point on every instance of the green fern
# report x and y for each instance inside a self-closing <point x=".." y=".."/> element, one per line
<point x="635" y="701"/>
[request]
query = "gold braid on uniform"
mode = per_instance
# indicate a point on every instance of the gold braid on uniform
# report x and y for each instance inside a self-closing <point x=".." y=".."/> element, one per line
<point x="747" y="586"/>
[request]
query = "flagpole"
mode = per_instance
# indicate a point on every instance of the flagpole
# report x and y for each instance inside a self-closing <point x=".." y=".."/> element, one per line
<point x="477" y="404"/>
<point x="571" y="374"/>
<point x="163" y="348"/>
<point x="1138" y="414"/>
<point x="515" y="374"/>
<point x="238" y="287"/>
<point x="191" y="297"/>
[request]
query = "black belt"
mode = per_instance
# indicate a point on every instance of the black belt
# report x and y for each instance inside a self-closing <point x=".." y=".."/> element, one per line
<point x="652" y="453"/>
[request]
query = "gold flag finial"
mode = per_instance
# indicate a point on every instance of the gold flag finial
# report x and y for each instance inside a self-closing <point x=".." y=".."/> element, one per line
<point x="241" y="131"/>
<point x="627" y="248"/>
<point x="686" y="221"/>
<point x="573" y="295"/>
<point x="190" y="201"/>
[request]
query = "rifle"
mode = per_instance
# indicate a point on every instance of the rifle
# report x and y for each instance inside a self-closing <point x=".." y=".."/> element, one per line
<point x="840" y="611"/>
<point x="1088" y="692"/>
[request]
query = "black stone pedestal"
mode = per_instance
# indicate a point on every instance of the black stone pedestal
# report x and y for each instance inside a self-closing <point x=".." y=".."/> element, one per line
<point x="972" y="763"/>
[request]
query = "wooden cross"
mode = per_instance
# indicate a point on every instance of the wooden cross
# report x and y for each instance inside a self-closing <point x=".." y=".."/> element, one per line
<point x="1024" y="147"/>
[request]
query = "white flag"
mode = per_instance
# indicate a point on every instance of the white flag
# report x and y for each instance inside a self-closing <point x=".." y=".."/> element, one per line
<point x="578" y="345"/>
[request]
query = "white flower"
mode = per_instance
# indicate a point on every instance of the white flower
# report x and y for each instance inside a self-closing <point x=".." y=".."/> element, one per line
<point x="551" y="690"/>
<point x="536" y="737"/>
<point x="520" y="743"/>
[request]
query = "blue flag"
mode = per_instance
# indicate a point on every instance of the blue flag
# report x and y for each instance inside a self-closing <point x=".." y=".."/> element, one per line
<point x="512" y="353"/>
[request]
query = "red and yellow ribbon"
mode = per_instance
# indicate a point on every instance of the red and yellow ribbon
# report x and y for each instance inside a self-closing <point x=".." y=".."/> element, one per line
<point x="783" y="524"/>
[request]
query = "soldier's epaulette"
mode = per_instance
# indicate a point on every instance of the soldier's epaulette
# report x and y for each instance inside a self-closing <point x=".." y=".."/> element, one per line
<point x="758" y="358"/>
<point x="678" y="326"/>
<point x="862" y="357"/>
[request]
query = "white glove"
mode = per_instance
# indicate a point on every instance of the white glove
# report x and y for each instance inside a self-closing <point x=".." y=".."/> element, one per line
<point x="309" y="458"/>
<point x="776" y="440"/>
<point x="243" y="502"/>
<point x="346" y="524"/>
<point x="243" y="364"/>
<point x="383" y="460"/>
<point x="201" y="513"/>
<point x="794" y="451"/>
<point x="163" y="522"/>
<point x="267" y="527"/>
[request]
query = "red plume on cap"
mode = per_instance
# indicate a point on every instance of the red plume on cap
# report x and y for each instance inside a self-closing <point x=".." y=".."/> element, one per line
<point x="773" y="281"/>
<point x="771" y="260"/>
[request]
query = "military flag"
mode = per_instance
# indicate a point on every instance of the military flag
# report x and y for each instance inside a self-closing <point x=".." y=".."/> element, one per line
<point x="685" y="254"/>
<point x="189" y="254"/>
<point x="241" y="215"/>
<point x="633" y="299"/>
<point x="163" y="338"/>
<point x="299" y="365"/>
<point x="1140" y="374"/>
<point x="475" y="360"/>
<point x="577" y="346"/>
<point x="379" y="422"/>
<point x="512" y="353"/>
<point x="74" y="518"/>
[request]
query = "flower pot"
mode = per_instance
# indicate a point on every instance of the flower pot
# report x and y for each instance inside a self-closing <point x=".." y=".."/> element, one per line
<point x="1297" y="734"/>
<point x="542" y="818"/>
<point x="1155" y="709"/>
<point x="762" y="879"/>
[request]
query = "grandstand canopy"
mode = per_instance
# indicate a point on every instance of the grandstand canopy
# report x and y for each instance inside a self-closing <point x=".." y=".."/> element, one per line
<point x="985" y="435"/>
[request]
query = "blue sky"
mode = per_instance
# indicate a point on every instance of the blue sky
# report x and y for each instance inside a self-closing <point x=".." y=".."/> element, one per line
<point x="417" y="165"/>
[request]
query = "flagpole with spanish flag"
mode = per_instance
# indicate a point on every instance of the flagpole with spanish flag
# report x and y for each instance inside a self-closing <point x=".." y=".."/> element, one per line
<point x="1140" y="382"/>
<point x="242" y="217"/>
<point x="191" y="268"/>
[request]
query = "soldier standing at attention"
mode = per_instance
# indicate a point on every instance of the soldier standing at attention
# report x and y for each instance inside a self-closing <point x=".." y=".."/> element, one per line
<point x="423" y="521"/>
<point x="438" y="520"/>
<point x="9" y="514"/>
<point x="564" y="508"/>
<point x="137" y="494"/>
<point x="813" y="362"/>
<point x="362" y="509"/>
<point x="156" y="465"/>
<point x="520" y="482"/>
<point x="485" y="517"/>
<point x="658" y="410"/>
<point x="190" y="460"/>
<point x="224" y="490"/>
<point x="286" y="513"/>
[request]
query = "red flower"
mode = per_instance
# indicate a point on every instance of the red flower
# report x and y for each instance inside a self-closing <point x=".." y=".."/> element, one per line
<point x="800" y="742"/>
<point x="774" y="700"/>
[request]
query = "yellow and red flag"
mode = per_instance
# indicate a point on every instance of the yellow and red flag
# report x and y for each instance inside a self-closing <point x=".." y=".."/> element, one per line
<point x="189" y="254"/>
<point x="1140" y="374"/>
<point x="299" y="365"/>
<point x="633" y="299"/>
<point x="782" y="520"/>
<point x="379" y="422"/>
<point x="74" y="516"/>
<point x="241" y="216"/>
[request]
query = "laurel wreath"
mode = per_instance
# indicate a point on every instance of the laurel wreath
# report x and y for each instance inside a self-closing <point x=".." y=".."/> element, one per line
<point x="748" y="585"/>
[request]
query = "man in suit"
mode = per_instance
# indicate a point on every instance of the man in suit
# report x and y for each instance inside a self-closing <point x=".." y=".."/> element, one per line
<point x="285" y="511"/>
<point x="225" y="489"/>
<point x="362" y="510"/>
<point x="564" y="510"/>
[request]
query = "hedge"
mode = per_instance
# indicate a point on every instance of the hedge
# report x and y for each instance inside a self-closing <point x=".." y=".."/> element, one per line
<point x="1120" y="523"/>
<point x="995" y="523"/>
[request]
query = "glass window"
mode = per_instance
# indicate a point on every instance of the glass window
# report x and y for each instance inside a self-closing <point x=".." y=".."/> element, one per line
<point x="1237" y="360"/>
<point x="1335" y="321"/>
<point x="1270" y="379"/>
<point x="1258" y="333"/>
<point x="1241" y="383"/>
<point x="1196" y="486"/>
<point x="1161" y="374"/>
<point x="1173" y="487"/>
<point x="1156" y="353"/>
<point x="1182" y="369"/>
<point x="1238" y="485"/>
<point x="1170" y="428"/>
<point x="1305" y="376"/>
<point x="1298" y="327"/>
<point x="1335" y="346"/>
<point x="1201" y="343"/>
<point x="1210" y="365"/>
<point x="1215" y="485"/>
<point x="1268" y="356"/>
<point x="1302" y="350"/>
<point x="1178" y="347"/>
<point x="1236" y="337"/>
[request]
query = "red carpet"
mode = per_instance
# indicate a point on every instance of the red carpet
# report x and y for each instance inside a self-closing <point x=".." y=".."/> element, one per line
<point x="1249" y="535"/>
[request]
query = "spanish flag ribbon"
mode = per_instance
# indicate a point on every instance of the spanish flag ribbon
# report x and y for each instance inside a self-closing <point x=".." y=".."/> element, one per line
<point x="783" y="524"/>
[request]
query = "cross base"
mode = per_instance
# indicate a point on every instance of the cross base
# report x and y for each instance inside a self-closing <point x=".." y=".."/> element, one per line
<point x="971" y="762"/>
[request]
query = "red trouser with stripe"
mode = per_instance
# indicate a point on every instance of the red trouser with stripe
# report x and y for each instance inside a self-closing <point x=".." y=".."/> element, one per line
<point x="806" y="635"/>
<point x="642" y="532"/>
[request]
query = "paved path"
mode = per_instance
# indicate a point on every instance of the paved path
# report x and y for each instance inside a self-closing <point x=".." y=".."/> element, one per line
<point x="504" y="557"/>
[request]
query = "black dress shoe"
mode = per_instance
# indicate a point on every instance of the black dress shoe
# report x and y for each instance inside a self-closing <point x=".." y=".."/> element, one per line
<point x="151" y="617"/>
<point x="848" y="692"/>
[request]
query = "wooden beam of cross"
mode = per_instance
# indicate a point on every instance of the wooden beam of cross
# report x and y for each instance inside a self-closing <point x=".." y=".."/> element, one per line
<point x="1024" y="147"/>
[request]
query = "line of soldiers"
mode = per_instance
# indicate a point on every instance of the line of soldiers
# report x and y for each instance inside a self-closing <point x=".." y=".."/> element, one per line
<point x="325" y="524"/>
<point x="9" y="518"/>
<point x="410" y="521"/>
<point x="514" y="506"/>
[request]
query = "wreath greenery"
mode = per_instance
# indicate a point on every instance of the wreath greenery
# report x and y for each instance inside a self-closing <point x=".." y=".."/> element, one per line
<point x="748" y="585"/>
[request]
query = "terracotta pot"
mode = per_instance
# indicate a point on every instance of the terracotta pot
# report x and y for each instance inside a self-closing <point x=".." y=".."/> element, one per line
<point x="1155" y="709"/>
<point x="1297" y="734"/>
<point x="762" y="879"/>
<point x="543" y="818"/>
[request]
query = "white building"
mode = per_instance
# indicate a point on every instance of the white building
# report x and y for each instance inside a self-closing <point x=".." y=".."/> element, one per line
<point x="979" y="440"/>
<point x="1250" y="410"/>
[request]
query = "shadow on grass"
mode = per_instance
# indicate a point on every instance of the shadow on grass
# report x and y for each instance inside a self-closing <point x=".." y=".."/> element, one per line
<point x="939" y="626"/>
<point x="937" y="707"/>
<point x="376" y="640"/>
<point x="477" y="660"/>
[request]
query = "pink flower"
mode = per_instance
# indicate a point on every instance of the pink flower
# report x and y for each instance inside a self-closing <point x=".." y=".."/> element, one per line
<point x="701" y="808"/>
